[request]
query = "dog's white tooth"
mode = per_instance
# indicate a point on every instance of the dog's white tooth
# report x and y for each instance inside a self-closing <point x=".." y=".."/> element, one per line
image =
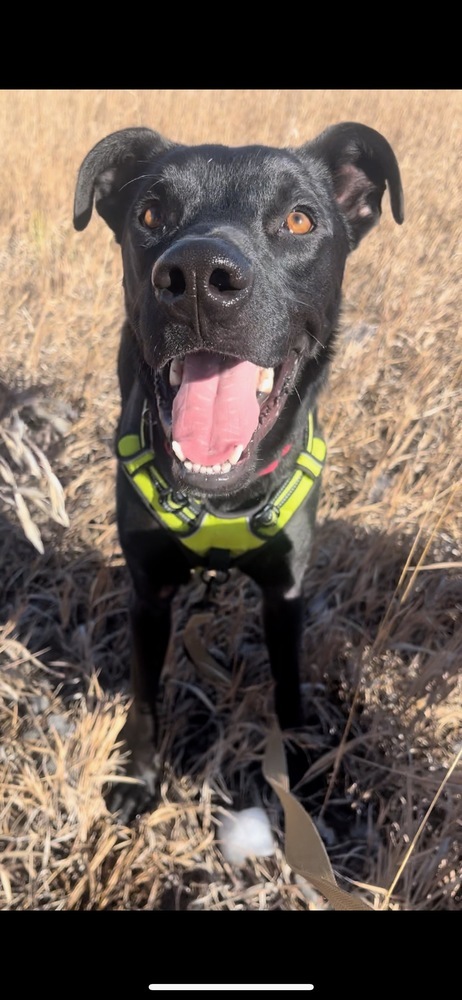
<point x="204" y="469"/>
<point x="226" y="466"/>
<point x="175" y="374"/>
<point x="266" y="380"/>
<point x="216" y="468"/>
<point x="188" y="465"/>
<point x="196" y="467"/>
<point x="178" y="451"/>
<point x="236" y="454"/>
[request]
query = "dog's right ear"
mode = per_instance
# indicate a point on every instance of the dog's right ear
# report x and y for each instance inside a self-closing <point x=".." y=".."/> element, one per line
<point x="107" y="172"/>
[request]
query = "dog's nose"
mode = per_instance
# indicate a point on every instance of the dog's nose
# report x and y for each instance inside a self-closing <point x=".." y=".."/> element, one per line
<point x="206" y="272"/>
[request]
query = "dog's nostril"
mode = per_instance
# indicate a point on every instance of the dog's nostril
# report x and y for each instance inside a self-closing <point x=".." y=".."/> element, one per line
<point x="177" y="283"/>
<point x="222" y="280"/>
<point x="170" y="280"/>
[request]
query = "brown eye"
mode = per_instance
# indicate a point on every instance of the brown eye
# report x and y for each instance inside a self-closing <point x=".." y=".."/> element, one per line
<point x="299" y="223"/>
<point x="151" y="217"/>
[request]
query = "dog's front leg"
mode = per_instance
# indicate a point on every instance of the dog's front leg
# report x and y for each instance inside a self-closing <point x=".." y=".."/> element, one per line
<point x="282" y="619"/>
<point x="157" y="568"/>
<point x="279" y="570"/>
<point x="280" y="580"/>
<point x="150" y="629"/>
<point x="283" y="624"/>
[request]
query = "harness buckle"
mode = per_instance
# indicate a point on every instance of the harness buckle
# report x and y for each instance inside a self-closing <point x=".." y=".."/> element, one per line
<point x="170" y="499"/>
<point x="267" y="517"/>
<point x="179" y="498"/>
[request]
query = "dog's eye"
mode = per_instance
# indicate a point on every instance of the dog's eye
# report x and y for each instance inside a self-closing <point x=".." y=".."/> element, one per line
<point x="151" y="217"/>
<point x="299" y="223"/>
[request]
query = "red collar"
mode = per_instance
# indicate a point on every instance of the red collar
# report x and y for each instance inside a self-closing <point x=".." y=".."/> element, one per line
<point x="273" y="465"/>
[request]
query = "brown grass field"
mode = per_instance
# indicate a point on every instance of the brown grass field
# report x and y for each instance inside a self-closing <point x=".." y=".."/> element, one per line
<point x="384" y="591"/>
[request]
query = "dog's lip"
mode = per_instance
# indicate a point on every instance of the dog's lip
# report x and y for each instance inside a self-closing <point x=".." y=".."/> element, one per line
<point x="270" y="408"/>
<point x="162" y="371"/>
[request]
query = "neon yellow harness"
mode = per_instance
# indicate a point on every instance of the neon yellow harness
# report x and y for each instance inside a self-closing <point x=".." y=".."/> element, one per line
<point x="194" y="525"/>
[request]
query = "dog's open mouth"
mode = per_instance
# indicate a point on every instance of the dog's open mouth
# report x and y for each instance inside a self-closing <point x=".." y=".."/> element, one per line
<point x="215" y="408"/>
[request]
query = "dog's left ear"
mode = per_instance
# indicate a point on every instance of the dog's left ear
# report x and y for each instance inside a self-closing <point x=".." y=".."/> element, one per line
<point x="361" y="163"/>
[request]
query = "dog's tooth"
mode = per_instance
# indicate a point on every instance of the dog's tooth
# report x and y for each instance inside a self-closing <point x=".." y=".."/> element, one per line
<point x="212" y="470"/>
<point x="266" y="380"/>
<point x="176" y="372"/>
<point x="236" y="454"/>
<point x="178" y="451"/>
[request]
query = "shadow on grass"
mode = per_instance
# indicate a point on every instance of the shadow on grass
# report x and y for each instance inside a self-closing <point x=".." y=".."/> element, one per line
<point x="377" y="666"/>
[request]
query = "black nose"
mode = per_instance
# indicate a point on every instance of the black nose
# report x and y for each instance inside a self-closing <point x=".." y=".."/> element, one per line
<point x="202" y="271"/>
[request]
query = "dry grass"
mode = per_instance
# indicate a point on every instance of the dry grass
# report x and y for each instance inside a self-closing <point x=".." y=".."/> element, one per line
<point x="384" y="593"/>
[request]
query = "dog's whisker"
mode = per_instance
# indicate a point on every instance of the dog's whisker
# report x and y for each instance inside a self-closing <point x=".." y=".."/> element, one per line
<point x="323" y="346"/>
<point x="133" y="180"/>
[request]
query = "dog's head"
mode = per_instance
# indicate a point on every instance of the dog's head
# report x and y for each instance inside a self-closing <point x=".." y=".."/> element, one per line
<point x="233" y="264"/>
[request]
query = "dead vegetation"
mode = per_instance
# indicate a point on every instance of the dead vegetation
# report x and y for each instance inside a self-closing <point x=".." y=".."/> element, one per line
<point x="383" y="596"/>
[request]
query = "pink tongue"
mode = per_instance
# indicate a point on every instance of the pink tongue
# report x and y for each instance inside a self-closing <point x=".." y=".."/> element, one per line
<point x="215" y="408"/>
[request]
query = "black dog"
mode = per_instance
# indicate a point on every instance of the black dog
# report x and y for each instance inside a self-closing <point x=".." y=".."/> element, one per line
<point x="233" y="263"/>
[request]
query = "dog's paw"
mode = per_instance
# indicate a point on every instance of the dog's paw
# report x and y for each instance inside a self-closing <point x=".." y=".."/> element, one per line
<point x="128" y="800"/>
